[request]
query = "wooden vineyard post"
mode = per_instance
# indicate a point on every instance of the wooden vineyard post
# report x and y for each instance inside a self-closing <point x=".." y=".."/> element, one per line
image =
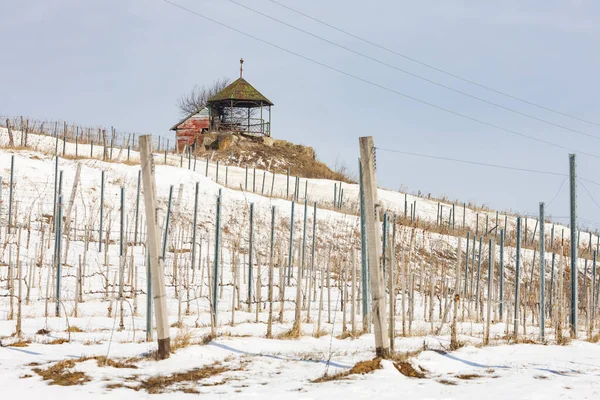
<point x="156" y="267"/>
<point x="367" y="154"/>
<point x="11" y="140"/>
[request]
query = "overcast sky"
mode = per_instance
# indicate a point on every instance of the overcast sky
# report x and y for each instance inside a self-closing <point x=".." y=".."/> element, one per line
<point x="125" y="63"/>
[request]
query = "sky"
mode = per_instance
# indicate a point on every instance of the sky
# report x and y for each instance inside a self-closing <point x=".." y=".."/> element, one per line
<point x="126" y="62"/>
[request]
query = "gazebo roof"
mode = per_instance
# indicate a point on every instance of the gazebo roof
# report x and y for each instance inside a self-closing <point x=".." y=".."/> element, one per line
<point x="242" y="93"/>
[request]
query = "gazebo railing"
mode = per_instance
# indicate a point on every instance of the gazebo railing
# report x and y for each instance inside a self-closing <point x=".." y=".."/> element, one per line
<point x="252" y="126"/>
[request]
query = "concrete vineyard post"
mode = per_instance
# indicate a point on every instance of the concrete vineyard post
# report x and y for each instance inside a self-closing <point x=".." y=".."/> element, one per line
<point x="517" y="278"/>
<point x="501" y="293"/>
<point x="574" y="242"/>
<point x="155" y="260"/>
<point x="250" y="255"/>
<point x="542" y="275"/>
<point x="363" y="254"/>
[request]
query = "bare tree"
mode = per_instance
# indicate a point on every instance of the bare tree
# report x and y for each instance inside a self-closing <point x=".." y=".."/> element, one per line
<point x="195" y="100"/>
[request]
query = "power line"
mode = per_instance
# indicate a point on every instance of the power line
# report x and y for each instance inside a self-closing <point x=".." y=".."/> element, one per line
<point x="557" y="193"/>
<point x="433" y="67"/>
<point x="484" y="164"/>
<point x="364" y="80"/>
<point x="378" y="61"/>
<point x="589" y="194"/>
<point x="473" y="162"/>
<point x="589" y="221"/>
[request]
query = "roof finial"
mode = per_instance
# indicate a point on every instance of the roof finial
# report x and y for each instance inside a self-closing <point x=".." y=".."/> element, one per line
<point x="241" y="66"/>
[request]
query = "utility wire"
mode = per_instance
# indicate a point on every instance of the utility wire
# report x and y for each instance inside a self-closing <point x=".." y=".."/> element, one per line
<point x="587" y="220"/>
<point x="589" y="194"/>
<point x="432" y="66"/>
<point x="557" y="193"/>
<point x="473" y="162"/>
<point x="483" y="164"/>
<point x="364" y="80"/>
<point x="378" y="61"/>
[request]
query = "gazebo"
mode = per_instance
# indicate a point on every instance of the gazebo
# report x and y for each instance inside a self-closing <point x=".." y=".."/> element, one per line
<point x="240" y="108"/>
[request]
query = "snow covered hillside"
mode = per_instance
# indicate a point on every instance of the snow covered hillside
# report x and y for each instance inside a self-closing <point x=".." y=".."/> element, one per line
<point x="85" y="324"/>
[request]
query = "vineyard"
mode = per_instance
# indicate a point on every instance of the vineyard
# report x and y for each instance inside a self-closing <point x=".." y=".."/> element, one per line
<point x="266" y="279"/>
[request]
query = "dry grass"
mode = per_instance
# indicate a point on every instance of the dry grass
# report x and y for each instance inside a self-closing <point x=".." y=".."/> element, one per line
<point x="446" y="382"/>
<point x="92" y="342"/>
<point x="468" y="377"/>
<point x="74" y="329"/>
<point x="117" y="363"/>
<point x="162" y="384"/>
<point x="43" y="332"/>
<point x="595" y="338"/>
<point x="73" y="157"/>
<point x="399" y="357"/>
<point x="407" y="369"/>
<point x="348" y="334"/>
<point x="293" y="333"/>
<point x="207" y="339"/>
<point x="564" y="340"/>
<point x="301" y="160"/>
<point x="185" y="382"/>
<point x="321" y="333"/>
<point x="58" y="341"/>
<point x="360" y="368"/>
<point x="182" y="340"/>
<point x="457" y="345"/>
<point x="60" y="374"/>
<point x="21" y="343"/>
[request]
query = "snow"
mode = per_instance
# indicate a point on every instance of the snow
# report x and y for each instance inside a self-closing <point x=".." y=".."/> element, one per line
<point x="281" y="368"/>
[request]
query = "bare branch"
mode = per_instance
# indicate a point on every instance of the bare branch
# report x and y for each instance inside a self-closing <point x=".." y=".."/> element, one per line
<point x="195" y="100"/>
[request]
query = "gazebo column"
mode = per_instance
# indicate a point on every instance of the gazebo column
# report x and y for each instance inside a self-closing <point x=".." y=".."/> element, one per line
<point x="269" y="121"/>
<point x="262" y="122"/>
<point x="248" y="120"/>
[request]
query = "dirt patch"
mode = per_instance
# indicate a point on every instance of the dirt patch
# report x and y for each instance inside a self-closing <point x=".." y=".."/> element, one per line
<point x="468" y="377"/>
<point x="446" y="382"/>
<point x="364" y="367"/>
<point x="61" y="374"/>
<point x="21" y="343"/>
<point x="43" y="332"/>
<point x="58" y="341"/>
<point x="407" y="369"/>
<point x="360" y="368"/>
<point x="184" y="381"/>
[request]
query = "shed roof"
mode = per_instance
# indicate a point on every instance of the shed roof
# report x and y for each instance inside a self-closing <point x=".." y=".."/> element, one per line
<point x="240" y="91"/>
<point x="202" y="113"/>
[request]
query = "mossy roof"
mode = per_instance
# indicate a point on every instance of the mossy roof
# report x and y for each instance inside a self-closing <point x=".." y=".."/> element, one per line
<point x="240" y="91"/>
